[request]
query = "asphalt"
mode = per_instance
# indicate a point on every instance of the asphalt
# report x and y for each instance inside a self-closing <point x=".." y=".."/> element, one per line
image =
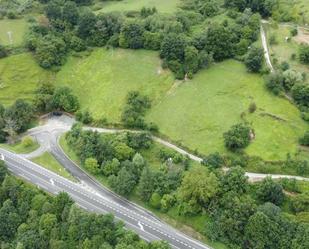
<point x="146" y="225"/>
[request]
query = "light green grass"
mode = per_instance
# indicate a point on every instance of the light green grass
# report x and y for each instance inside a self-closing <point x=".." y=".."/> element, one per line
<point x="20" y="148"/>
<point x="17" y="27"/>
<point x="283" y="50"/>
<point x="167" y="6"/>
<point x="19" y="76"/>
<point x="198" y="112"/>
<point x="49" y="162"/>
<point x="103" y="79"/>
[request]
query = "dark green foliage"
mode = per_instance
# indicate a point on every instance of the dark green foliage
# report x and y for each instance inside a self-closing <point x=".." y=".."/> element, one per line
<point x="238" y="137"/>
<point x="18" y="116"/>
<point x="173" y="47"/>
<point x="84" y="117"/>
<point x="305" y="139"/>
<point x="3" y="171"/>
<point x="50" y="51"/>
<point x="3" y="52"/>
<point x="123" y="183"/>
<point x="139" y="141"/>
<point x="270" y="191"/>
<point x="304" y="54"/>
<point x="274" y="82"/>
<point x="62" y="225"/>
<point x="213" y="161"/>
<point x="152" y="40"/>
<point x="235" y="180"/>
<point x="145" y="12"/>
<point x="254" y="59"/>
<point x="134" y="111"/>
<point x="131" y="35"/>
<point x="64" y="100"/>
<point x="300" y="94"/>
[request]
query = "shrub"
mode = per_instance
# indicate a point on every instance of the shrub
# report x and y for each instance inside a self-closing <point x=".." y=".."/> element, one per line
<point x="237" y="137"/>
<point x="304" y="54"/>
<point x="254" y="59"/>
<point x="3" y="52"/>
<point x="252" y="107"/>
<point x="270" y="191"/>
<point x="305" y="139"/>
<point x="155" y="200"/>
<point x="274" y="83"/>
<point x="27" y="141"/>
<point x="214" y="160"/>
<point x="84" y="117"/>
<point x="294" y="32"/>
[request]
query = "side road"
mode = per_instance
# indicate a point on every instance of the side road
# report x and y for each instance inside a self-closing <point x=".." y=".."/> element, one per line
<point x="55" y="126"/>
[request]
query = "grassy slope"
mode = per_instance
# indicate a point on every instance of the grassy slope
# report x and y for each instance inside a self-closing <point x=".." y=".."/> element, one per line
<point x="197" y="112"/>
<point x="128" y="5"/>
<point x="19" y="76"/>
<point x="49" y="162"/>
<point x="103" y="79"/>
<point x="19" y="148"/>
<point x="283" y="50"/>
<point x="17" y="27"/>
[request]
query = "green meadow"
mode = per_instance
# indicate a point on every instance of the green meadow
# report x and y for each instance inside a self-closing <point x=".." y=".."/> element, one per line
<point x="197" y="112"/>
<point x="136" y="5"/>
<point x="103" y="79"/>
<point x="12" y="31"/>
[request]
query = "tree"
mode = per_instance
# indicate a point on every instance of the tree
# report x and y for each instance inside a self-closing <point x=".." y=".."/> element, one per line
<point x="131" y="35"/>
<point x="123" y="183"/>
<point x="235" y="180"/>
<point x="274" y="82"/>
<point x="198" y="187"/>
<point x="237" y="137"/>
<point x="254" y="59"/>
<point x="9" y="220"/>
<point x="261" y="232"/>
<point x="208" y="8"/>
<point x="290" y="78"/>
<point x="305" y="139"/>
<point x="213" y="161"/>
<point x="18" y="116"/>
<point x="123" y="152"/>
<point x="300" y="203"/>
<point x="86" y="24"/>
<point x="191" y="62"/>
<point x="139" y="162"/>
<point x="70" y="12"/>
<point x="50" y="51"/>
<point x="147" y="184"/>
<point x="155" y="200"/>
<point x="270" y="191"/>
<point x="47" y="223"/>
<point x="3" y="171"/>
<point x="304" y="54"/>
<point x="173" y="47"/>
<point x="63" y="99"/>
<point x="111" y="167"/>
<point x="300" y="93"/>
<point x="92" y="165"/>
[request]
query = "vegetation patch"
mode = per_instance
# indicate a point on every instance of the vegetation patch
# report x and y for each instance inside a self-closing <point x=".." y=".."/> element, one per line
<point x="12" y="31"/>
<point x="137" y="5"/>
<point x="19" y="76"/>
<point x="49" y="162"/>
<point x="27" y="145"/>
<point x="201" y="110"/>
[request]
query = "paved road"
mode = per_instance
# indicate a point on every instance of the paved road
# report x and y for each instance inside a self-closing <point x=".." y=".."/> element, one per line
<point x="141" y="222"/>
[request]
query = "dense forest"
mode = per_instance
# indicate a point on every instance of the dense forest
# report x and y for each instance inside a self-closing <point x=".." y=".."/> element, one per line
<point x="32" y="219"/>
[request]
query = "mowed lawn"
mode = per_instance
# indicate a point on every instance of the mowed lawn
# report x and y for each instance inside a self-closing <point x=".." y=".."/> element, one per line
<point x="103" y="79"/>
<point x="12" y="31"/>
<point x="19" y="76"/>
<point x="198" y="112"/>
<point x="166" y="6"/>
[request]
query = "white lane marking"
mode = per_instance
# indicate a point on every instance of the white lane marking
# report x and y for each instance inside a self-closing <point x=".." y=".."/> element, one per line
<point x="52" y="181"/>
<point x="141" y="226"/>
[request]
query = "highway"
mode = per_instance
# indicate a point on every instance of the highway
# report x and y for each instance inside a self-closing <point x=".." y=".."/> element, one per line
<point x="143" y="223"/>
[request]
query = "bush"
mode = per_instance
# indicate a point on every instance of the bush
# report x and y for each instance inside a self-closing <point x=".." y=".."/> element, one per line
<point x="237" y="137"/>
<point x="304" y="54"/>
<point x="27" y="141"/>
<point x="270" y="191"/>
<point x="254" y="59"/>
<point x="3" y="52"/>
<point x="214" y="161"/>
<point x="305" y="139"/>
<point x="274" y="83"/>
<point x="84" y="117"/>
<point x="294" y="32"/>
<point x="155" y="201"/>
<point x="252" y="107"/>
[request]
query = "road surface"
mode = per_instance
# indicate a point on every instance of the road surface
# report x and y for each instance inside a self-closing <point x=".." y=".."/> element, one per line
<point x="148" y="227"/>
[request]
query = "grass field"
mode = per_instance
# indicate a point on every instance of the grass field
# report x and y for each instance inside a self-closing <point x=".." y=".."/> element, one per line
<point x="19" y="76"/>
<point x="16" y="28"/>
<point x="167" y="6"/>
<point x="197" y="112"/>
<point x="103" y="79"/>
<point x="20" y="148"/>
<point x="49" y="162"/>
<point x="282" y="51"/>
